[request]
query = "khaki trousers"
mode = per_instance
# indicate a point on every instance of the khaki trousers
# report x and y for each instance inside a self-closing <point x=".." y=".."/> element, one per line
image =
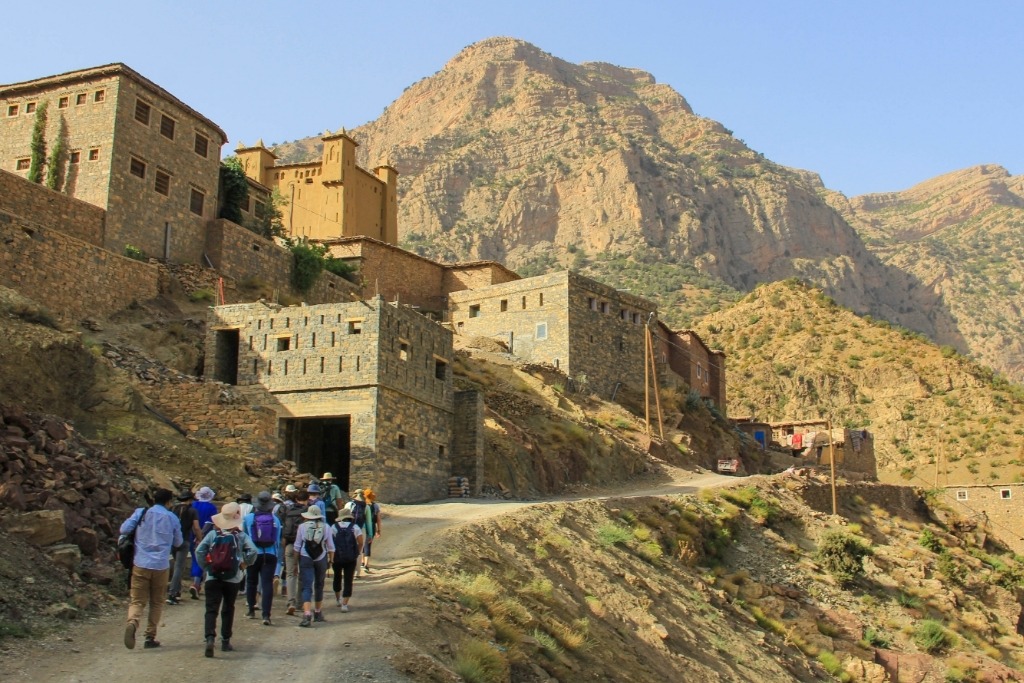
<point x="149" y="587"/>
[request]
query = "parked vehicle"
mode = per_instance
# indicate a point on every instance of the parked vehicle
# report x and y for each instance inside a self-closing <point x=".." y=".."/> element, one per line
<point x="729" y="465"/>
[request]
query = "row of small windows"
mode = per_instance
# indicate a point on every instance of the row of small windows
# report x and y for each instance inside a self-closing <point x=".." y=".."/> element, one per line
<point x="605" y="307"/>
<point x="162" y="184"/>
<point x="323" y="365"/>
<point x="401" y="440"/>
<point x="474" y="309"/>
<point x="168" y="127"/>
<point x="355" y="326"/>
<point x="1004" y="494"/>
<point x="63" y="102"/>
<point x="75" y="157"/>
<point x="279" y="175"/>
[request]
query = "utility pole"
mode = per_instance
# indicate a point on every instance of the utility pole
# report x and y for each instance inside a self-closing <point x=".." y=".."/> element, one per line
<point x="938" y="456"/>
<point x="654" y="369"/>
<point x="647" y="388"/>
<point x="832" y="460"/>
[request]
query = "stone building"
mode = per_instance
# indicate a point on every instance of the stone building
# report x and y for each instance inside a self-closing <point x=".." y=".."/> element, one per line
<point x="130" y="147"/>
<point x="362" y="389"/>
<point x="332" y="196"/>
<point x="997" y="508"/>
<point x="701" y="368"/>
<point x="590" y="331"/>
<point x="809" y="440"/>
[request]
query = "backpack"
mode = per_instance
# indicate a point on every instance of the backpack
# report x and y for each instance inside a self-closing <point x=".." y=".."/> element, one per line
<point x="315" y="540"/>
<point x="126" y="543"/>
<point x="359" y="512"/>
<point x="264" y="532"/>
<point x="181" y="511"/>
<point x="345" y="547"/>
<point x="222" y="559"/>
<point x="292" y="520"/>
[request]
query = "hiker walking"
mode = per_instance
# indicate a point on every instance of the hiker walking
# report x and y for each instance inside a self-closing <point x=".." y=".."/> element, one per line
<point x="348" y="547"/>
<point x="224" y="554"/>
<point x="265" y="531"/>
<point x="333" y="497"/>
<point x="189" y="519"/>
<point x="205" y="509"/>
<point x="366" y="513"/>
<point x="157" y="532"/>
<point x="315" y="548"/>
<point x="289" y="530"/>
<point x="314" y="491"/>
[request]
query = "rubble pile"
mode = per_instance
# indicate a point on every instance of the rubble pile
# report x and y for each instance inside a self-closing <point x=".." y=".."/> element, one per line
<point x="142" y="367"/>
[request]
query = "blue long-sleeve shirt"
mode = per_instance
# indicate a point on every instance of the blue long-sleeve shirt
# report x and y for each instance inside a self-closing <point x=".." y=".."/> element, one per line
<point x="155" y="535"/>
<point x="247" y="525"/>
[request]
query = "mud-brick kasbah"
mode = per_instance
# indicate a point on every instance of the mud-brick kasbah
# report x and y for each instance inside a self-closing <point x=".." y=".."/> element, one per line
<point x="353" y="375"/>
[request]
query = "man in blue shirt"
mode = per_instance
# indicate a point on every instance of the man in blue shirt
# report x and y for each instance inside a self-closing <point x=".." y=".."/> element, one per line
<point x="157" y="531"/>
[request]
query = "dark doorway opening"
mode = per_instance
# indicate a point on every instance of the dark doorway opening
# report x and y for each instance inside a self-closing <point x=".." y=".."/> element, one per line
<point x="225" y="367"/>
<point x="320" y="444"/>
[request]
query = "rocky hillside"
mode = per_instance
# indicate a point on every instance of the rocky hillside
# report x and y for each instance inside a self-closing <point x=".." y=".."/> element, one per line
<point x="746" y="584"/>
<point x="793" y="353"/>
<point x="962" y="236"/>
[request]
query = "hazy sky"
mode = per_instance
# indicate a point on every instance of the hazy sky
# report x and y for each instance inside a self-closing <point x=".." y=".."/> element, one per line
<point x="873" y="95"/>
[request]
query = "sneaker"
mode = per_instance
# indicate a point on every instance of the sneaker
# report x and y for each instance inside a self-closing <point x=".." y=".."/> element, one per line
<point x="306" y="621"/>
<point x="194" y="592"/>
<point x="291" y="610"/>
<point x="344" y="608"/>
<point x="226" y="646"/>
<point x="129" y="635"/>
<point x="173" y="601"/>
<point x="251" y="614"/>
<point x="318" y="616"/>
<point x="337" y="601"/>
<point x="151" y="643"/>
<point x="266" y="621"/>
<point x="209" y="646"/>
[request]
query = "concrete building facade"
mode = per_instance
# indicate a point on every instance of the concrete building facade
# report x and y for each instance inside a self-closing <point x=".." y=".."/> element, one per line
<point x="363" y="389"/>
<point x="332" y="196"/>
<point x="130" y="147"/>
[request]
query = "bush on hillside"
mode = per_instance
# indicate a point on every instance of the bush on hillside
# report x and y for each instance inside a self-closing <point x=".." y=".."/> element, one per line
<point x="842" y="555"/>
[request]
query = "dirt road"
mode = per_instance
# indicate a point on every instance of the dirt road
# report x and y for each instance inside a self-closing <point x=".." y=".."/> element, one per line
<point x="362" y="643"/>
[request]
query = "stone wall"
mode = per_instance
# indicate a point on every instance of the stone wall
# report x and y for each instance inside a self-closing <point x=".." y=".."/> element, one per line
<point x="475" y="275"/>
<point x="413" y="449"/>
<point x="72" y="278"/>
<point x="468" y="439"/>
<point x="36" y="204"/>
<point x="997" y="507"/>
<point x="897" y="500"/>
<point x="393" y="273"/>
<point x="415" y="356"/>
<point x="210" y="411"/>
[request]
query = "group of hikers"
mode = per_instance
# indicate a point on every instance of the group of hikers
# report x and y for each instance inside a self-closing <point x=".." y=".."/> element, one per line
<point x="283" y="543"/>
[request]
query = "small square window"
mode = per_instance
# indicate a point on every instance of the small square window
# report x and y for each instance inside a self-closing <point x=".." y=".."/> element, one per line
<point x="30" y="107"/>
<point x="403" y="351"/>
<point x="440" y="369"/>
<point x="142" y="112"/>
<point x="474" y="311"/>
<point x="167" y="126"/>
<point x="162" y="183"/>
<point x="542" y="331"/>
<point x="284" y="343"/>
<point x="524" y="303"/>
<point x="196" y="201"/>
<point x="76" y="157"/>
<point x="94" y="154"/>
<point x="80" y="98"/>
<point x="137" y="168"/>
<point x="541" y="299"/>
<point x="1004" y="494"/>
<point x="961" y="495"/>
<point x="355" y="326"/>
<point x="99" y="96"/>
<point x="624" y="314"/>
<point x="401" y="441"/>
<point x="504" y="305"/>
<point x="23" y="164"/>
<point x="63" y="102"/>
<point x="591" y="303"/>
<point x="604" y="306"/>
<point x="202" y="145"/>
<point x="12" y="110"/>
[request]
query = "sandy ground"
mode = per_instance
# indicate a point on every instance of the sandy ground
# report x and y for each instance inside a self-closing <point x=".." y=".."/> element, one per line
<point x="361" y="644"/>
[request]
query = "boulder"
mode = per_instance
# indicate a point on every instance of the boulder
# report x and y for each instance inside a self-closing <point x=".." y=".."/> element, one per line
<point x="42" y="527"/>
<point x="12" y="497"/>
<point x="87" y="540"/>
<point x="66" y="555"/>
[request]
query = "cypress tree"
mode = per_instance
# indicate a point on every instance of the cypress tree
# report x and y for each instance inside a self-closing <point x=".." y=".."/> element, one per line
<point x="55" y="164"/>
<point x="35" y="169"/>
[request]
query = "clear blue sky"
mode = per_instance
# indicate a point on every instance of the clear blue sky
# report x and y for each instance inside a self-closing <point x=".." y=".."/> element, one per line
<point x="874" y="95"/>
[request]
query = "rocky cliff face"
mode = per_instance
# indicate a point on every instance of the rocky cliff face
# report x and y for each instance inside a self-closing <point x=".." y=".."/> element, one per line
<point x="512" y="154"/>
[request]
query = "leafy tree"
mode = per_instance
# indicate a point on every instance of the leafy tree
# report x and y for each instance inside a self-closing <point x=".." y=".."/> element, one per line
<point x="308" y="263"/>
<point x="267" y="217"/>
<point x="35" y="169"/>
<point x="55" y="164"/>
<point x="234" y="189"/>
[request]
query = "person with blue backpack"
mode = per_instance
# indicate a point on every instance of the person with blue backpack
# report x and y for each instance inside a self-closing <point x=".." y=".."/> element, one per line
<point x="264" y="528"/>
<point x="223" y="554"/>
<point x="348" y="547"/>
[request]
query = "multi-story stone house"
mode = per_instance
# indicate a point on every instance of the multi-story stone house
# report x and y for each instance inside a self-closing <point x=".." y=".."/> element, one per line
<point x="332" y="196"/>
<point x="130" y="147"/>
<point x="361" y="389"/>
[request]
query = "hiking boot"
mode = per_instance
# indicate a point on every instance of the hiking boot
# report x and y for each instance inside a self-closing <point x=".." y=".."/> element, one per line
<point x="129" y="635"/>
<point x="194" y="592"/>
<point x="306" y="621"/>
<point x="251" y="614"/>
<point x="151" y="643"/>
<point x="291" y="610"/>
<point x="318" y="616"/>
<point x="266" y="621"/>
<point x="344" y="608"/>
<point x="226" y="646"/>
<point x="209" y="646"/>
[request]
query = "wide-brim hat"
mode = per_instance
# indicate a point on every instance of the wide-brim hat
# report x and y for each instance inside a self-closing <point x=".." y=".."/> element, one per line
<point x="264" y="501"/>
<point x="290" y="488"/>
<point x="358" y="494"/>
<point x="327" y="477"/>
<point x="205" y="494"/>
<point x="313" y="512"/>
<point x="229" y="517"/>
<point x="245" y="498"/>
<point x="345" y="514"/>
<point x="277" y="496"/>
<point x="313" y="488"/>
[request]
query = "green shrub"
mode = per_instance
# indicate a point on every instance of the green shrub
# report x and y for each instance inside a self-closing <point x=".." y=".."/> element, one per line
<point x="201" y="295"/>
<point x="340" y="268"/>
<point x="930" y="541"/>
<point x="952" y="569"/>
<point x="830" y="662"/>
<point x="932" y="637"/>
<point x="548" y="645"/>
<point x="307" y="264"/>
<point x="480" y="662"/>
<point x="134" y="252"/>
<point x="842" y="554"/>
<point x="613" y="534"/>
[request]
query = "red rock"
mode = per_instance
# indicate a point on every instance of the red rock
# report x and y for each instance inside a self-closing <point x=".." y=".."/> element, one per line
<point x="57" y="430"/>
<point x="87" y="540"/>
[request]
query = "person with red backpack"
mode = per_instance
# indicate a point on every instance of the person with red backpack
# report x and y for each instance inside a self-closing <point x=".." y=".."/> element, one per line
<point x="264" y="529"/>
<point x="223" y="554"/>
<point x="348" y="547"/>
